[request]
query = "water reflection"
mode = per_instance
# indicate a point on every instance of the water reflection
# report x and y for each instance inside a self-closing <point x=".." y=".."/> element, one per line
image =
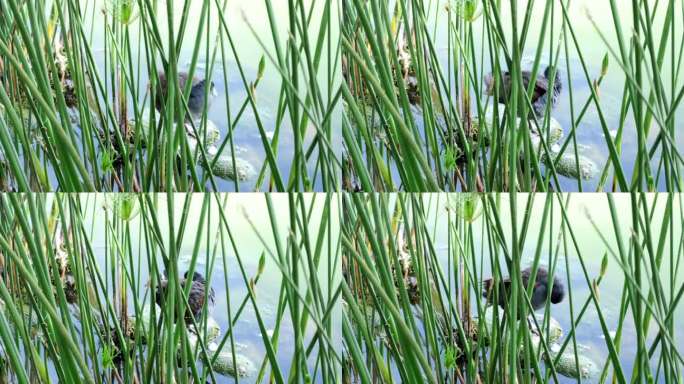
<point x="232" y="62"/>
<point x="589" y="134"/>
<point x="211" y="248"/>
<point x="585" y="212"/>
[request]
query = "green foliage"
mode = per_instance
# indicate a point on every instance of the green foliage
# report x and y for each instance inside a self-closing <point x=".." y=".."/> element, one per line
<point x="450" y="357"/>
<point x="91" y="146"/>
<point x="468" y="9"/>
<point x="450" y="159"/>
<point x="111" y="323"/>
<point x="108" y="354"/>
<point x="414" y="310"/>
<point x="423" y="70"/>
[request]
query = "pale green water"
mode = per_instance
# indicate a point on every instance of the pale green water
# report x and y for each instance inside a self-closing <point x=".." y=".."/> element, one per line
<point x="581" y="210"/>
<point x="589" y="219"/>
<point x="232" y="92"/>
<point x="251" y="240"/>
<point x="590" y="138"/>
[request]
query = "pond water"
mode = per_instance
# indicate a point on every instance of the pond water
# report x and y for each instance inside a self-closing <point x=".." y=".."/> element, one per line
<point x="590" y="139"/>
<point x="582" y="210"/>
<point x="241" y="209"/>
<point x="231" y="91"/>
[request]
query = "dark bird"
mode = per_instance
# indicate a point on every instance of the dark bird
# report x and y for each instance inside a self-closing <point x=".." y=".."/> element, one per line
<point x="540" y="290"/>
<point x="540" y="93"/>
<point x="197" y="295"/>
<point x="197" y="91"/>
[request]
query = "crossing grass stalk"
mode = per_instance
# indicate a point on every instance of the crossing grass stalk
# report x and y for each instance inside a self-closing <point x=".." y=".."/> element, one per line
<point x="103" y="326"/>
<point x="390" y="54"/>
<point x="414" y="266"/>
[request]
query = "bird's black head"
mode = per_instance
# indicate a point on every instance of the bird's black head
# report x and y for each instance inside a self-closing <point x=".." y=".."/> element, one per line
<point x="547" y="72"/>
<point x="558" y="291"/>
<point x="199" y="86"/>
<point x="196" y="276"/>
<point x="160" y="293"/>
<point x="556" y="80"/>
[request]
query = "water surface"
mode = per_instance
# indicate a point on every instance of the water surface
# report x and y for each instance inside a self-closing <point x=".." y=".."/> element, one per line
<point x="582" y="210"/>
<point x="247" y="215"/>
<point x="591" y="142"/>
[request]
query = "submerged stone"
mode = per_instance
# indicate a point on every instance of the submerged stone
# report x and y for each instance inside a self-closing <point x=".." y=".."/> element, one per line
<point x="223" y="166"/>
<point x="566" y="365"/>
<point x="145" y="318"/>
<point x="142" y="126"/>
<point x="584" y="368"/>
<point x="555" y="331"/>
<point x="567" y="165"/>
<point x="213" y="330"/>
<point x="227" y="363"/>
<point x="212" y="134"/>
<point x="552" y="136"/>
<point x="555" y="134"/>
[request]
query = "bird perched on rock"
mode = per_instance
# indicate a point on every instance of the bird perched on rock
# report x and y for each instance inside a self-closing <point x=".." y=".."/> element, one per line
<point x="540" y="290"/>
<point x="196" y="98"/>
<point x="543" y="90"/>
<point x="197" y="294"/>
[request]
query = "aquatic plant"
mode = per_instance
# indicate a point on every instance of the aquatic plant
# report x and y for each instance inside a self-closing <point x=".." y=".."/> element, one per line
<point x="404" y="56"/>
<point x="74" y="117"/>
<point x="414" y="309"/>
<point x="80" y="274"/>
